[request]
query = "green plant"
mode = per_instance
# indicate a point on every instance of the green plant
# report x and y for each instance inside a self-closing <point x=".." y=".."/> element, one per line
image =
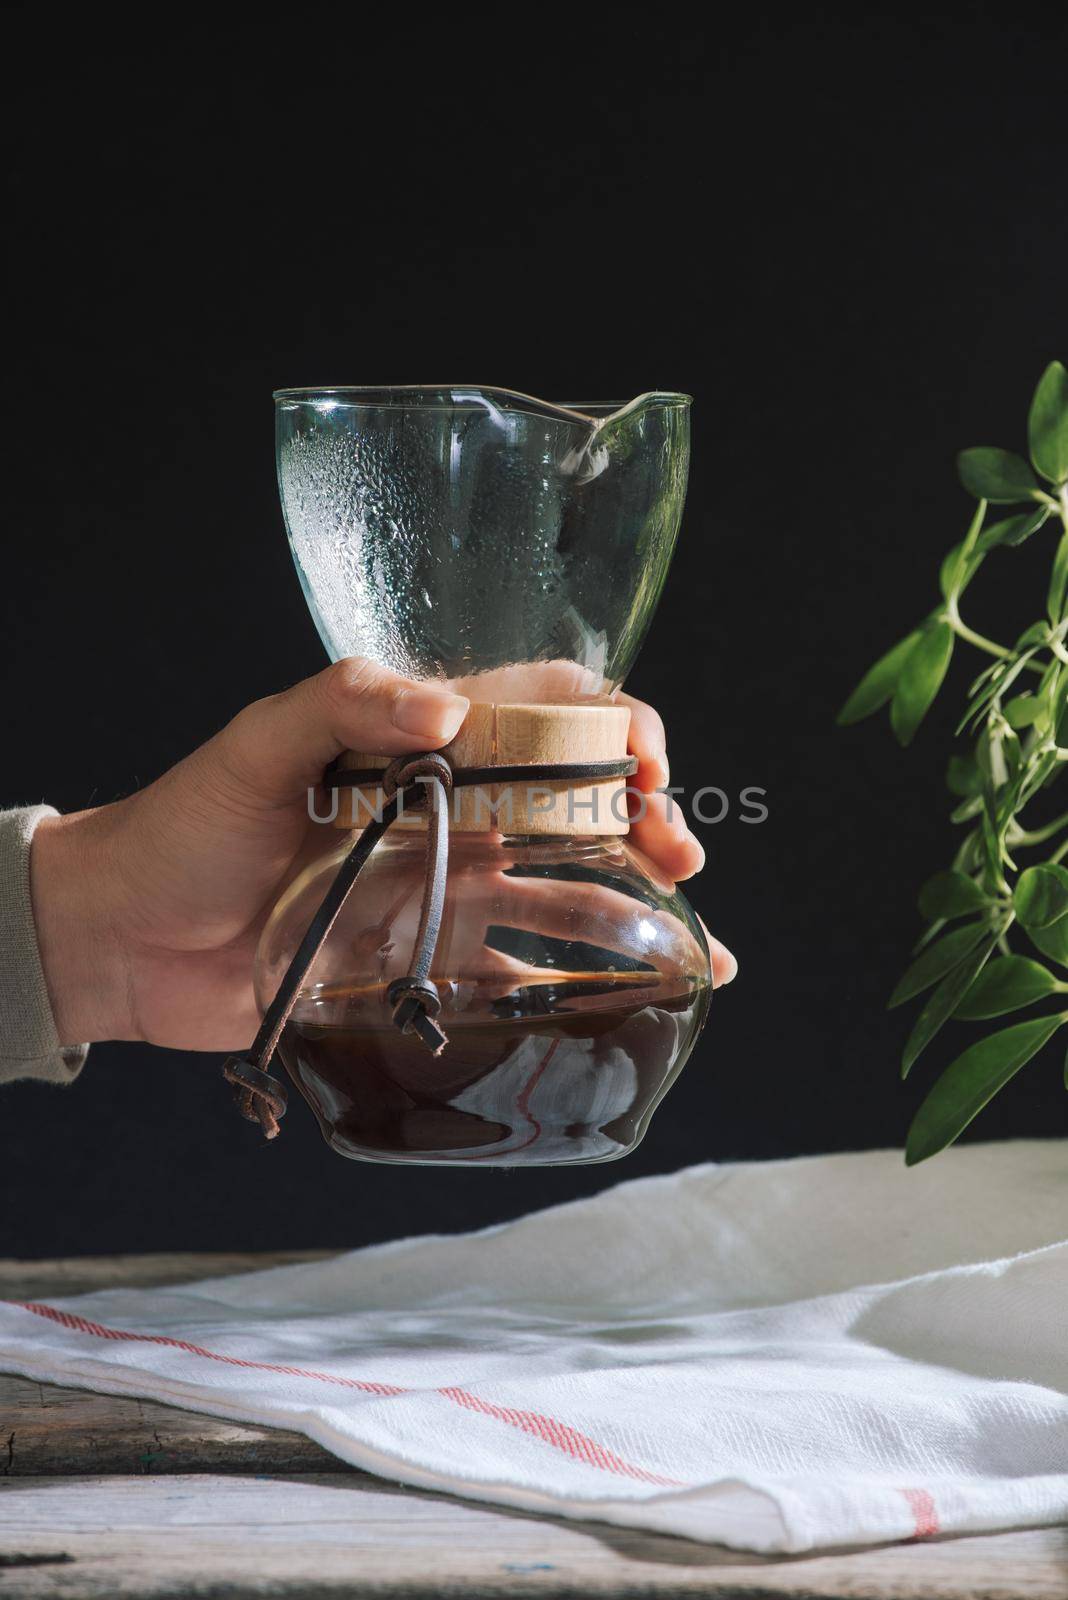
<point x="1017" y="718"/>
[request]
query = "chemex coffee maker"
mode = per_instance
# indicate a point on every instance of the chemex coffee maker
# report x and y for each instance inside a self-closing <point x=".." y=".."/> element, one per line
<point x="482" y="970"/>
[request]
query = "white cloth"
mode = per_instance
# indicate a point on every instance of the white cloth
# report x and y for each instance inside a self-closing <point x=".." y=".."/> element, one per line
<point x="779" y="1356"/>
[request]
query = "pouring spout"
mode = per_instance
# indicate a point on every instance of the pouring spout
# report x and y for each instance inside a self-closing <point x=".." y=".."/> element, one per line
<point x="611" y="427"/>
<point x="609" y="415"/>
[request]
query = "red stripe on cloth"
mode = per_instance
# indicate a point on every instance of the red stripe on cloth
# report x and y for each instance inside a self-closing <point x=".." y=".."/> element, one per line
<point x="82" y="1325"/>
<point x="557" y="1434"/>
<point x="924" y="1513"/>
<point x="577" y="1445"/>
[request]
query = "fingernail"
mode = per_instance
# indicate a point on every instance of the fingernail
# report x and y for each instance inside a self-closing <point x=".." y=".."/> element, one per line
<point x="723" y="961"/>
<point x="695" y="841"/>
<point x="431" y="714"/>
<point x="660" y="761"/>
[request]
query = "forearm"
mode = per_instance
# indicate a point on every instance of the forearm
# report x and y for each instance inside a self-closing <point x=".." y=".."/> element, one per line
<point x="80" y="956"/>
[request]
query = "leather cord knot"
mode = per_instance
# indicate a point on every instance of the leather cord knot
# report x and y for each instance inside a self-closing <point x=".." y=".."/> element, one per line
<point x="260" y="1098"/>
<point x="405" y="770"/>
<point x="416" y="1006"/>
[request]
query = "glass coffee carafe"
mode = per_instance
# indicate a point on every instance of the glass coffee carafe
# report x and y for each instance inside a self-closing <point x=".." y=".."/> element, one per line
<point x="514" y="551"/>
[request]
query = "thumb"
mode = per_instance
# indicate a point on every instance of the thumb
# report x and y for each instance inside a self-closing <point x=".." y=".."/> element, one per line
<point x="279" y="746"/>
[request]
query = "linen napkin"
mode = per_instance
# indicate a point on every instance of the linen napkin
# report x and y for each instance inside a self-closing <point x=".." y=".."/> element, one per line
<point x="780" y="1356"/>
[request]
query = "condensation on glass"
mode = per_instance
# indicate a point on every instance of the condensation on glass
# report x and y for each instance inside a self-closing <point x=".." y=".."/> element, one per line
<point x="455" y="533"/>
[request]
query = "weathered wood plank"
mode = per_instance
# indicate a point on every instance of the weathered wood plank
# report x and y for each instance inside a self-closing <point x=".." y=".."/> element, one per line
<point x="333" y="1535"/>
<point x="47" y="1430"/>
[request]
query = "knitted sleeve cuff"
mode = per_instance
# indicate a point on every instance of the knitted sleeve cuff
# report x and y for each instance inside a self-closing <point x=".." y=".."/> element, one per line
<point x="29" y="1044"/>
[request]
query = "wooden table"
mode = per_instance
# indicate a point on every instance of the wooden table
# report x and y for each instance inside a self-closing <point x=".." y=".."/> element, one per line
<point x="115" y="1497"/>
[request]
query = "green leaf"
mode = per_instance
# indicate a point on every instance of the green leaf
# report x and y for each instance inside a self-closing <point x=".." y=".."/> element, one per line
<point x="963" y="561"/>
<point x="963" y="776"/>
<point x="1037" y="633"/>
<point x="991" y="842"/>
<point x="936" y="961"/>
<point x="985" y="677"/>
<point x="920" y="680"/>
<point x="929" y="935"/>
<point x="990" y="754"/>
<point x="877" y="684"/>
<point x="999" y="476"/>
<point x="1013" y="753"/>
<point x="957" y="571"/>
<point x="971" y="1081"/>
<point x="943" y="1002"/>
<point x="970" y="854"/>
<point x="1003" y="677"/>
<point x="1022" y="711"/>
<point x="1047" y="770"/>
<point x="1052" y="941"/>
<point x="1005" y="985"/>
<point x="1040" y="897"/>
<point x="1058" y="578"/>
<point x="1012" y="530"/>
<point x="950" y="894"/>
<point x="950" y="571"/>
<point x="1047" y="425"/>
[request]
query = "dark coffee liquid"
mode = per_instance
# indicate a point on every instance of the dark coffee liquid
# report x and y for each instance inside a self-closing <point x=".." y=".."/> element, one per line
<point x="541" y="1085"/>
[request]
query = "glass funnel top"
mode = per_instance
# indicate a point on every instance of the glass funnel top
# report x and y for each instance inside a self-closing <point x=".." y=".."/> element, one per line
<point x="480" y="536"/>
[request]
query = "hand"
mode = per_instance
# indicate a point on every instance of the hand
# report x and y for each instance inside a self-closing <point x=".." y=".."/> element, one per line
<point x="149" y="911"/>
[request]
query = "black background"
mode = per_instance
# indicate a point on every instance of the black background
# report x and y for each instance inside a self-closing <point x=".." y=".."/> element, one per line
<point x="846" y="238"/>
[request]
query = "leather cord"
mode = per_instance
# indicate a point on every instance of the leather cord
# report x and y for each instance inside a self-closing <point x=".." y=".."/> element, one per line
<point x="469" y="777"/>
<point x="429" y="778"/>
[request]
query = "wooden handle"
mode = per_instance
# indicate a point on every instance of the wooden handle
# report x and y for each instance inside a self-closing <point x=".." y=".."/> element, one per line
<point x="511" y="735"/>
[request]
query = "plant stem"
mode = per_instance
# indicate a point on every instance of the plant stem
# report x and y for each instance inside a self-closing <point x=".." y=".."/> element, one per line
<point x="1027" y="837"/>
<point x="962" y="630"/>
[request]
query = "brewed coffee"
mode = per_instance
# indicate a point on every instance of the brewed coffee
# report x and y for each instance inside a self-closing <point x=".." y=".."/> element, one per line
<point x="551" y="1073"/>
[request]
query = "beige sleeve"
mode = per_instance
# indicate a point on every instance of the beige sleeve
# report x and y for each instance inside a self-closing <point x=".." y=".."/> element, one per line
<point x="29" y="1044"/>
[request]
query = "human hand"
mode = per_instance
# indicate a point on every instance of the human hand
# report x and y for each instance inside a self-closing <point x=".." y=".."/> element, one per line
<point x="149" y="910"/>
